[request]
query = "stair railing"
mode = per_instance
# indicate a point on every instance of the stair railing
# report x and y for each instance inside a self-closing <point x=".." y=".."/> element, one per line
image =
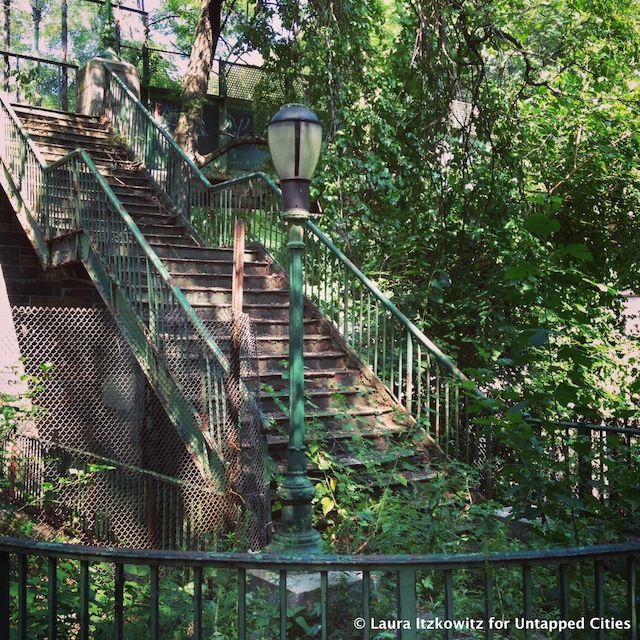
<point x="166" y="335"/>
<point x="419" y="376"/>
<point x="416" y="372"/>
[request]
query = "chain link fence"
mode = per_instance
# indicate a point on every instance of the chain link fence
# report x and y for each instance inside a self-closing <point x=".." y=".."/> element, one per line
<point x="128" y="478"/>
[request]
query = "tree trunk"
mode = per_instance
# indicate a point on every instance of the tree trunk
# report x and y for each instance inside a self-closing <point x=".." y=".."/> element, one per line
<point x="36" y="14"/>
<point x="64" y="29"/>
<point x="196" y="80"/>
<point x="7" y="42"/>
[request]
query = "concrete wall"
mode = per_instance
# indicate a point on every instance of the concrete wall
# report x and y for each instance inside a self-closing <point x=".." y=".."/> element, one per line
<point x="27" y="282"/>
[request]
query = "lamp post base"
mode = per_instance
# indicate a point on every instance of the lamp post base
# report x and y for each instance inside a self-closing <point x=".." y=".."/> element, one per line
<point x="293" y="542"/>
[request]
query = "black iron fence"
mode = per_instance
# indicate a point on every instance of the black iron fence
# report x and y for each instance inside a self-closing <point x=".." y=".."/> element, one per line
<point x="65" y="590"/>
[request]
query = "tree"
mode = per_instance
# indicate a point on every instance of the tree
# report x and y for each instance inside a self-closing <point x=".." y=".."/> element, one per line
<point x="481" y="159"/>
<point x="196" y="80"/>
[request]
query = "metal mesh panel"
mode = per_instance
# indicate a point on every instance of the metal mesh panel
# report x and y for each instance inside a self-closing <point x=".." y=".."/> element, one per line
<point x="97" y="400"/>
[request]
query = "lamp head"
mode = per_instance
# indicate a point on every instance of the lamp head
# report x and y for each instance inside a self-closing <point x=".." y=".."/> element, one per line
<point x="294" y="135"/>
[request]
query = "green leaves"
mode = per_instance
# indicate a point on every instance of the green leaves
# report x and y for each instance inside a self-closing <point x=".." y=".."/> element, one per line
<point x="541" y="225"/>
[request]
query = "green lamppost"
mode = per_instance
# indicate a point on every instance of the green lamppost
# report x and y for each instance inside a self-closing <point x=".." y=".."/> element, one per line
<point x="295" y="136"/>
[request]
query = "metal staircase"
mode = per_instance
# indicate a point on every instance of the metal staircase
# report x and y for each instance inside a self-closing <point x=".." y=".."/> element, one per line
<point x="117" y="194"/>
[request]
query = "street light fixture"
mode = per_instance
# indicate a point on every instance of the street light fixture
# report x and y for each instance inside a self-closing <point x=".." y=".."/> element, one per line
<point x="294" y="135"/>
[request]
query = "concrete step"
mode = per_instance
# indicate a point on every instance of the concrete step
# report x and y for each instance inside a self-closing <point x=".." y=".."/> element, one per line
<point x="272" y="363"/>
<point x="325" y="399"/>
<point x="199" y="267"/>
<point x="251" y="281"/>
<point x="28" y="111"/>
<point x="279" y="345"/>
<point x="188" y="251"/>
<point x="313" y="379"/>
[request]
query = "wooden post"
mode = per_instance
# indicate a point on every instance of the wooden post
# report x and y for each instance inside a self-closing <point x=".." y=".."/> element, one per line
<point x="233" y="389"/>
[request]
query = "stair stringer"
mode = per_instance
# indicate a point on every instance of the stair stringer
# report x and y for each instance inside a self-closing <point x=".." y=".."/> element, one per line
<point x="168" y="390"/>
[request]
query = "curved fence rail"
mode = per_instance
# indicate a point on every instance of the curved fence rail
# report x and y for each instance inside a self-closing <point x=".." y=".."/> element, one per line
<point x="171" y="342"/>
<point x="98" y="592"/>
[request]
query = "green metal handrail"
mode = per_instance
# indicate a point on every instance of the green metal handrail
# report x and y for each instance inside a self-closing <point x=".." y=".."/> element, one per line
<point x="391" y="588"/>
<point x="416" y="372"/>
<point x="70" y="195"/>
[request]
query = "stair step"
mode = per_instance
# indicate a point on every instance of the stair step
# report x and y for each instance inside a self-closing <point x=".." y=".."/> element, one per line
<point x="179" y="250"/>
<point x="264" y="328"/>
<point x="45" y="112"/>
<point x="100" y="156"/>
<point x="40" y="127"/>
<point x="272" y="362"/>
<point x="313" y="379"/>
<point x="279" y="345"/>
<point x="251" y="281"/>
<point x="275" y="441"/>
<point x="325" y="399"/>
<point x="59" y="139"/>
<point x="335" y="417"/>
<point x="211" y="267"/>
<point x="157" y="230"/>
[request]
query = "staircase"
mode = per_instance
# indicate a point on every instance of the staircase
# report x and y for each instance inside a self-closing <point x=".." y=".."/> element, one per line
<point x="343" y="399"/>
<point x="123" y="206"/>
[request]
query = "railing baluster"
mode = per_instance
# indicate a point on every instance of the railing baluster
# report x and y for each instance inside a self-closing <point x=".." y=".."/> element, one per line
<point x="197" y="604"/>
<point x="366" y="603"/>
<point x="22" y="596"/>
<point x="154" y="580"/>
<point x="598" y="571"/>
<point x="407" y="602"/>
<point x="632" y="597"/>
<point x="5" y="578"/>
<point x="118" y="597"/>
<point x="282" y="600"/>
<point x="242" y="604"/>
<point x="526" y="592"/>
<point x="52" y="598"/>
<point x="324" y="594"/>
<point x="564" y="596"/>
<point x="488" y="602"/>
<point x="448" y="601"/>
<point x="84" y="599"/>
<point x="409" y="373"/>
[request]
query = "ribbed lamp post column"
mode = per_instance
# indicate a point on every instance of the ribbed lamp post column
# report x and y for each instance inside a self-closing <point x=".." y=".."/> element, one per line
<point x="295" y="137"/>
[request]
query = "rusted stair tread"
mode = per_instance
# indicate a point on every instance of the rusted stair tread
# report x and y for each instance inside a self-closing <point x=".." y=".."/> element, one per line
<point x="74" y="142"/>
<point x="26" y="109"/>
<point x="307" y="354"/>
<point x="314" y="393"/>
<point x="274" y="440"/>
<point x="42" y="128"/>
<point x="334" y="413"/>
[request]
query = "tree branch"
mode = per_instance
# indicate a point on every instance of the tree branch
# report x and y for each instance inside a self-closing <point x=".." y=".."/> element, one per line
<point x="203" y="160"/>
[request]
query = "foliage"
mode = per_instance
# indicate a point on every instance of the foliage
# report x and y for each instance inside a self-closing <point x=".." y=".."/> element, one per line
<point x="481" y="162"/>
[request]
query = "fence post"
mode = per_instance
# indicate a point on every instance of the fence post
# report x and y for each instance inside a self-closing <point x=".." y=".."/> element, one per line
<point x="407" y="602"/>
<point x="4" y="595"/>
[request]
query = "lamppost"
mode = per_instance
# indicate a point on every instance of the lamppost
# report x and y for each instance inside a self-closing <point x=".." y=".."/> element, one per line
<point x="295" y="135"/>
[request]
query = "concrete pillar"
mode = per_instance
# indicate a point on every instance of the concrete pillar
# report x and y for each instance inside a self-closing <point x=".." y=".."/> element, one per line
<point x="91" y="81"/>
<point x="11" y="368"/>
